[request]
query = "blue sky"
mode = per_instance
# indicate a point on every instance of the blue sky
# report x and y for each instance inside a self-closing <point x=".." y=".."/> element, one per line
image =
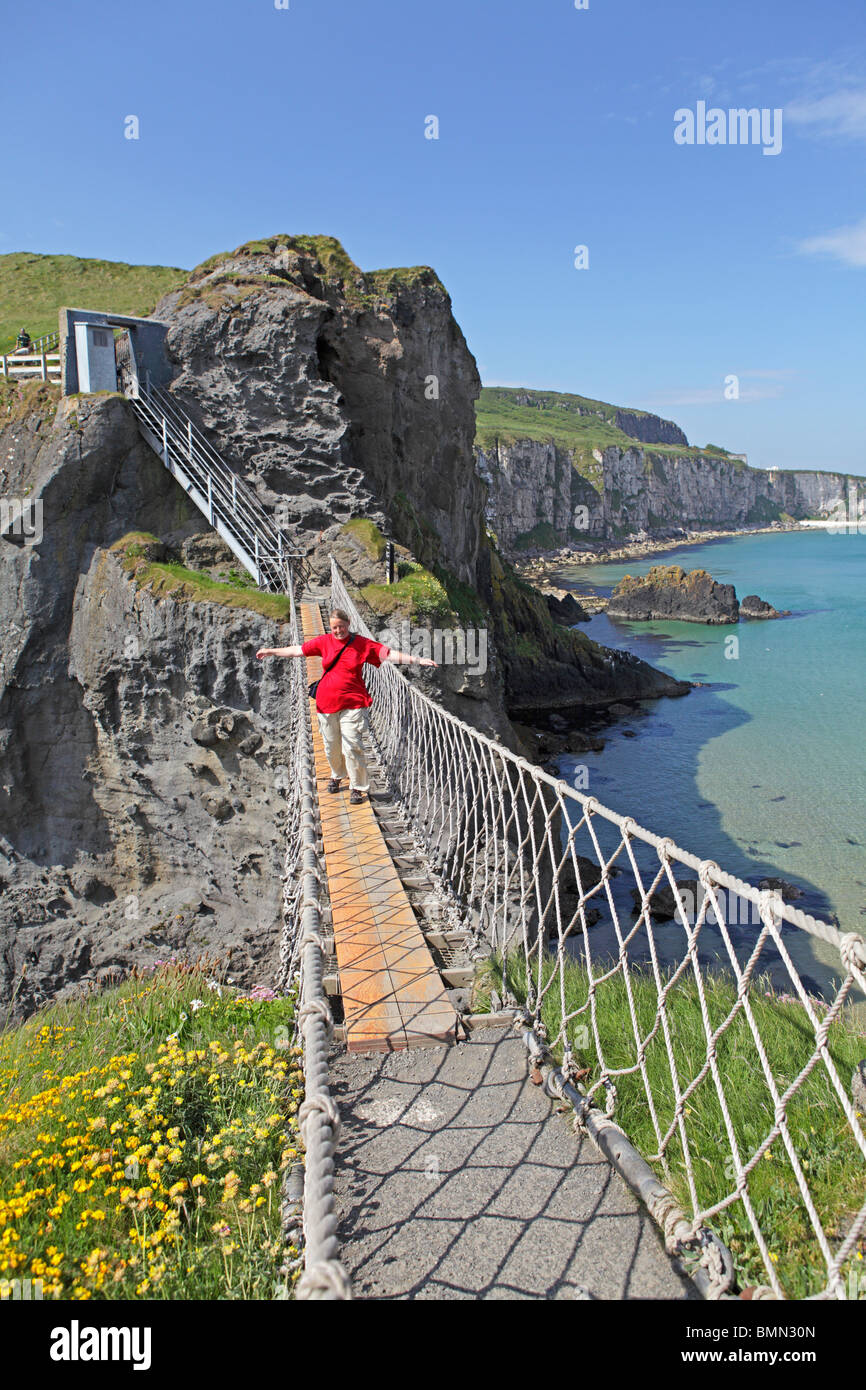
<point x="556" y="129"/>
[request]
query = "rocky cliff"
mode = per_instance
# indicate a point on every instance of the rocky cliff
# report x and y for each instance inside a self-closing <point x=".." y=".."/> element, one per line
<point x="555" y="480"/>
<point x="343" y="394"/>
<point x="336" y="393"/>
<point x="143" y="747"/>
<point x="126" y="830"/>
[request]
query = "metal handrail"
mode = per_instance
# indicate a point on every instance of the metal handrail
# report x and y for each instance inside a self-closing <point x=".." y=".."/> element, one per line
<point x="224" y="498"/>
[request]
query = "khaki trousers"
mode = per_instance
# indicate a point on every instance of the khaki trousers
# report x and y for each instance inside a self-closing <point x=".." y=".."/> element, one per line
<point x="343" y="737"/>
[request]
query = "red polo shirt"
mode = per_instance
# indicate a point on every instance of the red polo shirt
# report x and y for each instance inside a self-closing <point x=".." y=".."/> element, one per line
<point x="343" y="687"/>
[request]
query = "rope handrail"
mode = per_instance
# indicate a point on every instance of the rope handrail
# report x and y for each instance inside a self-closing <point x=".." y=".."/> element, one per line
<point x="670" y="1024"/>
<point x="302" y="959"/>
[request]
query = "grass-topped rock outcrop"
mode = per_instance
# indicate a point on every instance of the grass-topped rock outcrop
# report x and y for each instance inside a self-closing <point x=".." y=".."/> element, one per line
<point x="668" y="591"/>
<point x="689" y="596"/>
<point x="337" y="393"/>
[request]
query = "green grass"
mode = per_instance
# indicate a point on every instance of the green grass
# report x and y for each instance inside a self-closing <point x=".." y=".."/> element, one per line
<point x="142" y="1134"/>
<point x="542" y="536"/>
<point x="557" y="419"/>
<point x="834" y="1166"/>
<point x="238" y="579"/>
<point x="361" y="289"/>
<point x="167" y="579"/>
<point x="367" y="533"/>
<point x="574" y="423"/>
<point x="31" y="397"/>
<point x="763" y="512"/>
<point x="34" y="287"/>
<point x="416" y="594"/>
<point x="462" y="598"/>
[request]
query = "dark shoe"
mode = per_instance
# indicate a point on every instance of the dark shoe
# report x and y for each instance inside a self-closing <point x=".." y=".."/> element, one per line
<point x="334" y="784"/>
<point x="356" y="798"/>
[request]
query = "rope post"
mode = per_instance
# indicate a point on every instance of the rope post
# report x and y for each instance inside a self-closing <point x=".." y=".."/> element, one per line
<point x="164" y="441"/>
<point x="44" y="368"/>
<point x="189" y="439"/>
<point x="389" y="561"/>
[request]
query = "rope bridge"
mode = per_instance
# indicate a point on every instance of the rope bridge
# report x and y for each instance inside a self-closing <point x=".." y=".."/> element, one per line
<point x="669" y="1011"/>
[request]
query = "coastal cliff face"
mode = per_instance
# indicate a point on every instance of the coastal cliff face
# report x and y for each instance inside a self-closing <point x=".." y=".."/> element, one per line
<point x="545" y="493"/>
<point x="123" y="836"/>
<point x="536" y="492"/>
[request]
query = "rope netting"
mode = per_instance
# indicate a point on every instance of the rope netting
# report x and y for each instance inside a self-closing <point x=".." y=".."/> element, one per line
<point x="302" y="959"/>
<point x="686" y="1009"/>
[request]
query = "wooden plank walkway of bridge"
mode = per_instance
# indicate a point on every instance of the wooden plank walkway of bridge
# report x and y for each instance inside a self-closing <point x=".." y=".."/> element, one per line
<point x="393" y="996"/>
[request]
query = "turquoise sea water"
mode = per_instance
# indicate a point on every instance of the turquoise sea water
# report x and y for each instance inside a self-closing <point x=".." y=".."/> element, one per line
<point x="763" y="769"/>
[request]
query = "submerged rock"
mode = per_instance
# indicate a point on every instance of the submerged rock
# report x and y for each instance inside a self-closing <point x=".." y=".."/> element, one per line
<point x="789" y="892"/>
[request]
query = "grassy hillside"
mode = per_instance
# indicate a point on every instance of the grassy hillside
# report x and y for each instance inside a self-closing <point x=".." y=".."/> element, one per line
<point x="143" y="1131"/>
<point x="33" y="288"/>
<point x="562" y="419"/>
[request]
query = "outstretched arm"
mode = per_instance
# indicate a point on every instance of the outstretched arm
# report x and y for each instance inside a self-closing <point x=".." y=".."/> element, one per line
<point x="278" y="651"/>
<point x="407" y="659"/>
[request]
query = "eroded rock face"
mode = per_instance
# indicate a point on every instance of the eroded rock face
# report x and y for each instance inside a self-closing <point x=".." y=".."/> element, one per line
<point x="544" y="496"/>
<point x="122" y="837"/>
<point x="336" y="393"/>
<point x="668" y="591"/>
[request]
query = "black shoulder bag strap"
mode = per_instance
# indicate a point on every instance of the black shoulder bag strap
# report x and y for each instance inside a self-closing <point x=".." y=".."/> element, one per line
<point x="314" y="685"/>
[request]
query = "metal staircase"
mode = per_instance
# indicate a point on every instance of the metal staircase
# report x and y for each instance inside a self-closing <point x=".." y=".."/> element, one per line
<point x="229" y="504"/>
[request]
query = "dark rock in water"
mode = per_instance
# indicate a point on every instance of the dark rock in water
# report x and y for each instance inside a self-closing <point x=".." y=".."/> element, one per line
<point x="568" y="904"/>
<point x="629" y="733"/>
<point x="668" y="591"/>
<point x="579" y="742"/>
<point x="663" y="905"/>
<point x="590" y="875"/>
<point x="564" y="608"/>
<point x="753" y="607"/>
<point x="789" y="891"/>
<point x="543" y="743"/>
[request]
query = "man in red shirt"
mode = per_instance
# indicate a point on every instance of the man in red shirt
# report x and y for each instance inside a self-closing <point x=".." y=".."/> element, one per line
<point x="342" y="698"/>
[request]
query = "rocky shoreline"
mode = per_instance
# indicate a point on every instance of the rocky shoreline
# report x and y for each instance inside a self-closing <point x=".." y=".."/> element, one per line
<point x="543" y="564"/>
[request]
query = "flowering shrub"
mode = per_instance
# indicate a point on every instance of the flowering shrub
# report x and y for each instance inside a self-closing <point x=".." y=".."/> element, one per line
<point x="143" y="1132"/>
